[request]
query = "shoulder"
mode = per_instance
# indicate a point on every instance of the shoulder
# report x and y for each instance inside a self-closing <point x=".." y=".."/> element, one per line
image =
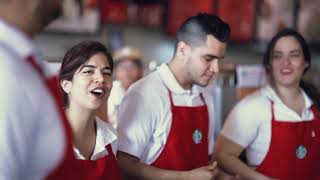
<point x="251" y="111"/>
<point x="9" y="62"/>
<point x="148" y="82"/>
<point x="253" y="102"/>
<point x="13" y="78"/>
<point x="147" y="89"/>
<point x="243" y="122"/>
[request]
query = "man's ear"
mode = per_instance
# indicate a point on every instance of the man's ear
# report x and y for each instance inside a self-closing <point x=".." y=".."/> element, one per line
<point x="183" y="48"/>
<point x="66" y="85"/>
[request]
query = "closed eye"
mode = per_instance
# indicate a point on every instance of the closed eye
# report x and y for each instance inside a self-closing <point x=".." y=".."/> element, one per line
<point x="88" y="72"/>
<point x="107" y="73"/>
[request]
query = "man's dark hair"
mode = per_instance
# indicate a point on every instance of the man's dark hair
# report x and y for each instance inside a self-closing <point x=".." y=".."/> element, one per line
<point x="195" y="29"/>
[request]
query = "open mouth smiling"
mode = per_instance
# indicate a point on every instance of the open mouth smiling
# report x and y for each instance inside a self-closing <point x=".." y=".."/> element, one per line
<point x="98" y="92"/>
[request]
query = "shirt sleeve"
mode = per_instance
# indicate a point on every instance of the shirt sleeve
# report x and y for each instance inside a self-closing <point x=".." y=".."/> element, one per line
<point x="135" y="123"/>
<point x="242" y="123"/>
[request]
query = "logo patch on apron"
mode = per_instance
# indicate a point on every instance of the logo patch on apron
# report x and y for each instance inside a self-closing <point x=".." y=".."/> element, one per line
<point x="301" y="152"/>
<point x="197" y="136"/>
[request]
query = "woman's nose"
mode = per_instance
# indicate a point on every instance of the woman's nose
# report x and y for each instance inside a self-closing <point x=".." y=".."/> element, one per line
<point x="99" y="77"/>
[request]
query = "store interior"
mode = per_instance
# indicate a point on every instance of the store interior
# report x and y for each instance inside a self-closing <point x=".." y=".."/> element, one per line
<point x="150" y="25"/>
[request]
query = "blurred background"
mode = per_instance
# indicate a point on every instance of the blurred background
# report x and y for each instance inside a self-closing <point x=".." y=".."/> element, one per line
<point x="150" y="25"/>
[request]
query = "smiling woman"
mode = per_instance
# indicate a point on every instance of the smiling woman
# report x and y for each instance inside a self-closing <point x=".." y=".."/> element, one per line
<point x="85" y="80"/>
<point x="281" y="141"/>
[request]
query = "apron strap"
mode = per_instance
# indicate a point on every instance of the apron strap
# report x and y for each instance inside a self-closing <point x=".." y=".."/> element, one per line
<point x="272" y="110"/>
<point x="109" y="149"/>
<point x="170" y="97"/>
<point x="315" y="112"/>
<point x="33" y="63"/>
<point x="171" y="100"/>
<point x="202" y="98"/>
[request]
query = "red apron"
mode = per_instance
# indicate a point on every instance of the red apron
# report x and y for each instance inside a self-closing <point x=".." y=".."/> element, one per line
<point x="69" y="167"/>
<point x="187" y="143"/>
<point x="294" y="152"/>
<point x="105" y="168"/>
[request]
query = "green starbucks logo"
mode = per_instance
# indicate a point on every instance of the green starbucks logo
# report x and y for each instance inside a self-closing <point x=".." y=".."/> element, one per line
<point x="301" y="152"/>
<point x="197" y="136"/>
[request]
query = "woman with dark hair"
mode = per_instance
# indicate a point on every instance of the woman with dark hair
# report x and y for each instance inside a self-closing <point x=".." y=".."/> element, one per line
<point x="85" y="79"/>
<point x="277" y="126"/>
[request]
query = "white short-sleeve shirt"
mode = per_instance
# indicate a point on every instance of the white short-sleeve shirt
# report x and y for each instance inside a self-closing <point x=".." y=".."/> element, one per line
<point x="144" y="117"/>
<point x="106" y="135"/>
<point x="32" y="140"/>
<point x="249" y="122"/>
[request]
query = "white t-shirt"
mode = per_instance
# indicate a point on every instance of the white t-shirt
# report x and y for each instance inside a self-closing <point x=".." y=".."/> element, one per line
<point x="114" y="100"/>
<point x="249" y="122"/>
<point x="106" y="134"/>
<point x="32" y="138"/>
<point x="145" y="116"/>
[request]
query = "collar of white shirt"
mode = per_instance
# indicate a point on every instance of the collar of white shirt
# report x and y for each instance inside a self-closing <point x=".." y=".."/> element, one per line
<point x="17" y="40"/>
<point x="170" y="81"/>
<point x="106" y="134"/>
<point x="269" y="92"/>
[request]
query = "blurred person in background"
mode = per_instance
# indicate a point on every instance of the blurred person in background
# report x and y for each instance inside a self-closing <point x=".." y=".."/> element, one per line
<point x="166" y="126"/>
<point x="34" y="141"/>
<point x="278" y="126"/>
<point x="128" y="68"/>
<point x="85" y="78"/>
<point x="272" y="16"/>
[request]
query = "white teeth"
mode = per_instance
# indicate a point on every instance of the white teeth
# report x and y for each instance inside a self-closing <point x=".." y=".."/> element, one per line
<point x="98" y="91"/>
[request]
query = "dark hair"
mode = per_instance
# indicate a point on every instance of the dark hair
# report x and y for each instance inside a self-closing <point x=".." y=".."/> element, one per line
<point x="195" y="29"/>
<point x="77" y="56"/>
<point x="310" y="89"/>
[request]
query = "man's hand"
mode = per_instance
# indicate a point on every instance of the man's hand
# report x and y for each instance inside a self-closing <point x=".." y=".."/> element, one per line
<point x="203" y="173"/>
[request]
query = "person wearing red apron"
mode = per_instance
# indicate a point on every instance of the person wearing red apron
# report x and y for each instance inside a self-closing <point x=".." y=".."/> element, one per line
<point x="36" y="137"/>
<point x="33" y="126"/>
<point x="281" y="140"/>
<point x="166" y="126"/>
<point x="67" y="168"/>
<point x="85" y="79"/>
<point x="298" y="158"/>
<point x="187" y="143"/>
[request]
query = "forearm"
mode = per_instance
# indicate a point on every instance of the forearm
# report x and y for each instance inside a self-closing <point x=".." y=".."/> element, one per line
<point x="234" y="166"/>
<point x="133" y="169"/>
<point x="139" y="170"/>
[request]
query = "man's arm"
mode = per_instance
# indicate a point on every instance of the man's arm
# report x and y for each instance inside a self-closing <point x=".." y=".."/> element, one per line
<point x="132" y="168"/>
<point x="227" y="154"/>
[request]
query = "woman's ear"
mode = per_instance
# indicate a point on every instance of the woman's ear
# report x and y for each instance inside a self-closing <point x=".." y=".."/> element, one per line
<point x="66" y="86"/>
